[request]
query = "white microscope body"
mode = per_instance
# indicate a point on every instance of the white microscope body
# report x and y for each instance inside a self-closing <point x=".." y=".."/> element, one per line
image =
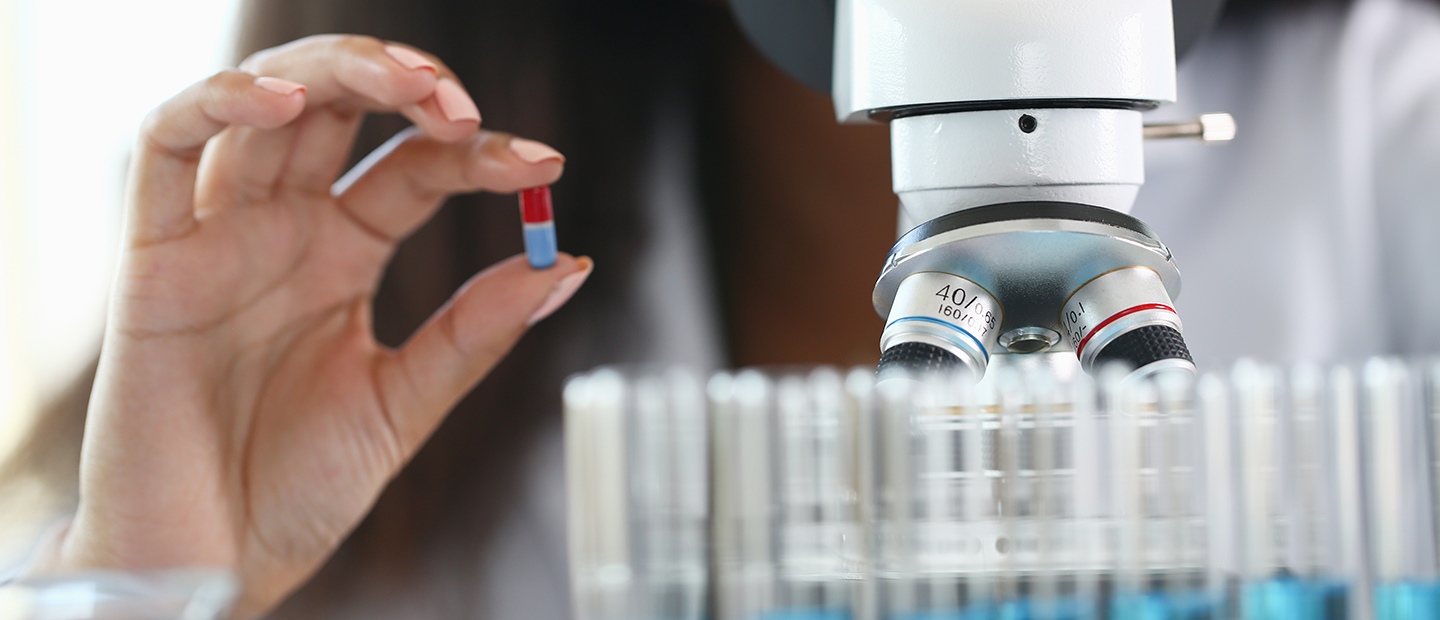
<point x="954" y="77"/>
<point x="1016" y="145"/>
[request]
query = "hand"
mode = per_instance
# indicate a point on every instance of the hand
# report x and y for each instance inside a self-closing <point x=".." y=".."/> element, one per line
<point x="243" y="415"/>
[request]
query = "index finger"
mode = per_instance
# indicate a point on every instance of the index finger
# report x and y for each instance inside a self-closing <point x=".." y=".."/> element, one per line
<point x="357" y="73"/>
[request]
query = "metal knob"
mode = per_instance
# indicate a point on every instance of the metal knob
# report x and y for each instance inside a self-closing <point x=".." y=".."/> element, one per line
<point x="1217" y="127"/>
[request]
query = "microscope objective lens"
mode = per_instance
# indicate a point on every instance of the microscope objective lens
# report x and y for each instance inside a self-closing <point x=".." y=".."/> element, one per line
<point x="1125" y="315"/>
<point x="940" y="321"/>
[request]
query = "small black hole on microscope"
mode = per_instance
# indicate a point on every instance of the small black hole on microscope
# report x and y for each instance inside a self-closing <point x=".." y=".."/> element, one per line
<point x="1027" y="123"/>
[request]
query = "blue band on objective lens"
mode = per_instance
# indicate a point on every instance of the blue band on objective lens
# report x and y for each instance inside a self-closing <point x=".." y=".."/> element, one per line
<point x="926" y="319"/>
<point x="540" y="245"/>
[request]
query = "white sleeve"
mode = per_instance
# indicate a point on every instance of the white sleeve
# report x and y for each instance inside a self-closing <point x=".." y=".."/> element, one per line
<point x="1407" y="174"/>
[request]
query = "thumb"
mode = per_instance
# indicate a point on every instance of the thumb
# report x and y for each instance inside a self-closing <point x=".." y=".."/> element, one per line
<point x="463" y="340"/>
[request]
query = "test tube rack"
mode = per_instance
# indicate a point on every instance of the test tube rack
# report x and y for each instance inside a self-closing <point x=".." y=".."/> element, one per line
<point x="1268" y="493"/>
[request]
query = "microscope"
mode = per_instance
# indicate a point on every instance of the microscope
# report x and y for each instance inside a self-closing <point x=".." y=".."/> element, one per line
<point x="1016" y="147"/>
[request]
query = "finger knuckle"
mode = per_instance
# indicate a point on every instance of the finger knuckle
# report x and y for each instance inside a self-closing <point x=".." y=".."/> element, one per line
<point x="249" y="63"/>
<point x="224" y="83"/>
<point x="492" y="350"/>
<point x="158" y="118"/>
<point x="158" y="126"/>
<point x="258" y="60"/>
<point x="152" y="125"/>
<point x="359" y="43"/>
<point x="473" y="156"/>
<point x="227" y="77"/>
<point x="273" y="57"/>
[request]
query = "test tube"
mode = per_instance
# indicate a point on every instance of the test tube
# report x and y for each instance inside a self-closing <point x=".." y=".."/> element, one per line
<point x="743" y="532"/>
<point x="1309" y="504"/>
<point x="637" y="480"/>
<point x="1285" y="525"/>
<point x="1221" y="493"/>
<point x="1156" y="460"/>
<point x="785" y="489"/>
<point x="1403" y="531"/>
<point x="1266" y="590"/>
<point x="1347" y="424"/>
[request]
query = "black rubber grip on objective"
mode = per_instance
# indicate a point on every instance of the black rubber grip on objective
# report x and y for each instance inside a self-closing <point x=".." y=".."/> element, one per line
<point x="1147" y="344"/>
<point x="917" y="358"/>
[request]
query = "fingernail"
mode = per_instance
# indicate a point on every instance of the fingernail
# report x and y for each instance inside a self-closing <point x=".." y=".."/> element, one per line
<point x="277" y="85"/>
<point x="564" y="289"/>
<point x="411" y="59"/>
<point x="532" y="151"/>
<point x="454" y="103"/>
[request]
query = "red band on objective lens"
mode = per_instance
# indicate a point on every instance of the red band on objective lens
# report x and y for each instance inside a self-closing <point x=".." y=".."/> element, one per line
<point x="535" y="207"/>
<point x="1117" y="316"/>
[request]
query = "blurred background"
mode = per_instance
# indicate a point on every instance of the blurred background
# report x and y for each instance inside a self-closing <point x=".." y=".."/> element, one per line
<point x="705" y="183"/>
<point x="76" y="78"/>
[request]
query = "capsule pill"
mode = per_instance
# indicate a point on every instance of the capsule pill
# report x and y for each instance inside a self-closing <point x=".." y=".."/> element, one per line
<point x="538" y="218"/>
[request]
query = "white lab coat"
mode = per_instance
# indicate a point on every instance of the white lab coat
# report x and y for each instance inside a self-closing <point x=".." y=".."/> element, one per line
<point x="1315" y="234"/>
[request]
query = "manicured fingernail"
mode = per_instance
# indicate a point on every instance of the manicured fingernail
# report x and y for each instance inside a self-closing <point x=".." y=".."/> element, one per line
<point x="411" y="59"/>
<point x="532" y="151"/>
<point x="454" y="102"/>
<point x="564" y="289"/>
<point x="277" y="85"/>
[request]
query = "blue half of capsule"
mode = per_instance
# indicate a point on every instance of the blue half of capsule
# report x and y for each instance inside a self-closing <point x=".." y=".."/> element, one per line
<point x="540" y="245"/>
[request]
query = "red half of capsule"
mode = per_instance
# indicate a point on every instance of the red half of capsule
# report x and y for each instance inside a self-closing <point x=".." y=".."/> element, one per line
<point x="535" y="207"/>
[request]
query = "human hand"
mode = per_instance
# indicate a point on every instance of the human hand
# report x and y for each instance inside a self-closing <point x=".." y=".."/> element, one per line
<point x="243" y="414"/>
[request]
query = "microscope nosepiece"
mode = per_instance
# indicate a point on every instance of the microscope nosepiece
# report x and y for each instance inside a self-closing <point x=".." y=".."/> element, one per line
<point x="1032" y="277"/>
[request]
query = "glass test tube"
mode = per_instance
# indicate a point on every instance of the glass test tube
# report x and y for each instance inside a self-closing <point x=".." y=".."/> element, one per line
<point x="1400" y="477"/>
<point x="785" y="488"/>
<point x="1157" y="461"/>
<point x="637" y="478"/>
<point x="1287" y="529"/>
